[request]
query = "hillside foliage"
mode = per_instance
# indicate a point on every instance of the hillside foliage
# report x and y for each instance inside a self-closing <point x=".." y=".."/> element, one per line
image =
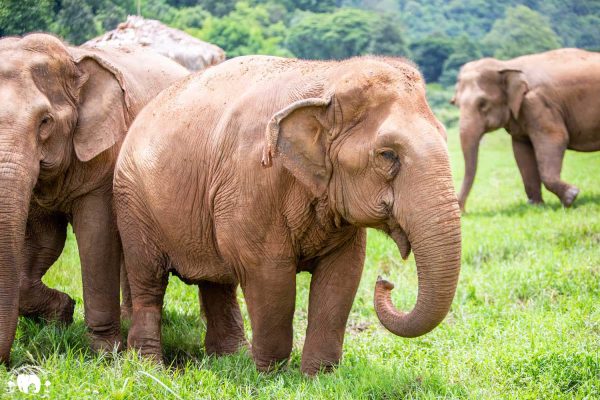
<point x="439" y="35"/>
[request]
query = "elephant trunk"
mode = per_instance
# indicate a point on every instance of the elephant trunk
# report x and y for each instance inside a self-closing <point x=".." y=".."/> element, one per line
<point x="433" y="231"/>
<point x="469" y="140"/>
<point x="16" y="185"/>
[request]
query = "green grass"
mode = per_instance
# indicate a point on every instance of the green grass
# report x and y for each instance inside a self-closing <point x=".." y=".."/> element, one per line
<point x="525" y="323"/>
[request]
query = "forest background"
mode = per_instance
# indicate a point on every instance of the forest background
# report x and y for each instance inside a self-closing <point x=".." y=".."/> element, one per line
<point x="439" y="35"/>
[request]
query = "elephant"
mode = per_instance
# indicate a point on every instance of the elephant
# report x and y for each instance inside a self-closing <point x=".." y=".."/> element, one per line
<point x="63" y="116"/>
<point x="547" y="102"/>
<point x="263" y="167"/>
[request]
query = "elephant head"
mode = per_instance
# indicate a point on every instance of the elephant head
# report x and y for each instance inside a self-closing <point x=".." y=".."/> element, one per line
<point x="489" y="94"/>
<point x="370" y="145"/>
<point x="58" y="106"/>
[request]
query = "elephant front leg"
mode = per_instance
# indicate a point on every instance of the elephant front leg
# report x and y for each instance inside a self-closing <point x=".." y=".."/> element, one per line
<point x="332" y="289"/>
<point x="224" y="322"/>
<point x="270" y="295"/>
<point x="44" y="242"/>
<point x="528" y="167"/>
<point x="100" y="253"/>
<point x="549" y="152"/>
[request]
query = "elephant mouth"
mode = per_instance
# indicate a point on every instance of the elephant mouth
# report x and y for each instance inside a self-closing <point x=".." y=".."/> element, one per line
<point x="401" y="239"/>
<point x="399" y="236"/>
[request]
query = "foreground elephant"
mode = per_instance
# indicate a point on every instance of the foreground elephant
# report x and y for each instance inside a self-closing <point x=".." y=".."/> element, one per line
<point x="64" y="112"/>
<point x="547" y="102"/>
<point x="358" y="147"/>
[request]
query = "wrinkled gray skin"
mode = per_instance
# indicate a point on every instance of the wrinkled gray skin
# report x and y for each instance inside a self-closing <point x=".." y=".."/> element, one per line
<point x="547" y="102"/>
<point x="64" y="112"/>
<point x="348" y="145"/>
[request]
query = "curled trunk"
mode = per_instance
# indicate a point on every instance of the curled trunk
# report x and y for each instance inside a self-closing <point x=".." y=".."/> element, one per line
<point x="434" y="235"/>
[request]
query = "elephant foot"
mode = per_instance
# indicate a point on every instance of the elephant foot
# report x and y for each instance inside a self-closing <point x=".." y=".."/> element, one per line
<point x="144" y="334"/>
<point x="535" y="202"/>
<point x="225" y="346"/>
<point x="270" y="361"/>
<point x="106" y="343"/>
<point x="569" y="196"/>
<point x="65" y="312"/>
<point x="313" y="367"/>
<point x="272" y="365"/>
<point x="59" y="308"/>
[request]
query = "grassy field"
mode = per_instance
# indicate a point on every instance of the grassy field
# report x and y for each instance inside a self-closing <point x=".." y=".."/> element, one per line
<point x="525" y="321"/>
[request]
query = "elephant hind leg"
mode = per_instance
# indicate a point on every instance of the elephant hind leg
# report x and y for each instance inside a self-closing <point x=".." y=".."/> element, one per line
<point x="147" y="273"/>
<point x="44" y="242"/>
<point x="148" y="279"/>
<point x="550" y="141"/>
<point x="224" y="322"/>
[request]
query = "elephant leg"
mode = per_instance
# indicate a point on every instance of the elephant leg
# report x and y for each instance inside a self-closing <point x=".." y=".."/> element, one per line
<point x="148" y="278"/>
<point x="45" y="237"/>
<point x="126" y="305"/>
<point x="100" y="253"/>
<point x="525" y="157"/>
<point x="147" y="292"/>
<point x="332" y="289"/>
<point x="270" y="295"/>
<point x="225" y="325"/>
<point x="549" y="152"/>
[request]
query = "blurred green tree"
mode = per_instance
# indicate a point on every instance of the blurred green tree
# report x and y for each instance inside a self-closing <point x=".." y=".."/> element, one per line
<point x="305" y="5"/>
<point x="246" y="30"/>
<point x="18" y="17"/>
<point x="521" y="31"/>
<point x="431" y="53"/>
<point x="345" y="33"/>
<point x="75" y="22"/>
<point x="464" y="50"/>
<point x="188" y="18"/>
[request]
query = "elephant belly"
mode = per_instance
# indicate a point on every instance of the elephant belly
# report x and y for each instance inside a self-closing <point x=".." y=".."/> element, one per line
<point x="586" y="143"/>
<point x="196" y="265"/>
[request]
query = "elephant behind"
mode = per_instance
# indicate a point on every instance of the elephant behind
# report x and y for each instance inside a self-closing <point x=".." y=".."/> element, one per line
<point x="344" y="146"/>
<point x="64" y="112"/>
<point x="547" y="102"/>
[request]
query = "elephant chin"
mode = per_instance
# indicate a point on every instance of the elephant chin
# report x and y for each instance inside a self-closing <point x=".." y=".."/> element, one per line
<point x="402" y="241"/>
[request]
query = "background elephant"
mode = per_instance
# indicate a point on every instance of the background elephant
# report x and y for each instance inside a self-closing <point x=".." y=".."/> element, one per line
<point x="358" y="147"/>
<point x="547" y="102"/>
<point x="63" y="115"/>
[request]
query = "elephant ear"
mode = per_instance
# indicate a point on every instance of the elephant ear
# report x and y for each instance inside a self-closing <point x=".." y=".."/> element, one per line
<point x="297" y="134"/>
<point x="103" y="103"/>
<point x="515" y="88"/>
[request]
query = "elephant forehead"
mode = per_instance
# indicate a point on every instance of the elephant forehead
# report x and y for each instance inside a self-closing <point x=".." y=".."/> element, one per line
<point x="22" y="92"/>
<point x="21" y="63"/>
<point x="470" y="90"/>
<point x="12" y="65"/>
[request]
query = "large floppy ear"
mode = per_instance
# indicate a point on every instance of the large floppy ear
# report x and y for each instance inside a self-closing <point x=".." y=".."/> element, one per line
<point x="298" y="135"/>
<point x="102" y="109"/>
<point x="515" y="88"/>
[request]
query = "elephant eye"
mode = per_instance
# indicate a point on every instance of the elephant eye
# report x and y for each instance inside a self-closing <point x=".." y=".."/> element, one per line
<point x="482" y="104"/>
<point x="389" y="155"/>
<point x="387" y="163"/>
<point x="45" y="123"/>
